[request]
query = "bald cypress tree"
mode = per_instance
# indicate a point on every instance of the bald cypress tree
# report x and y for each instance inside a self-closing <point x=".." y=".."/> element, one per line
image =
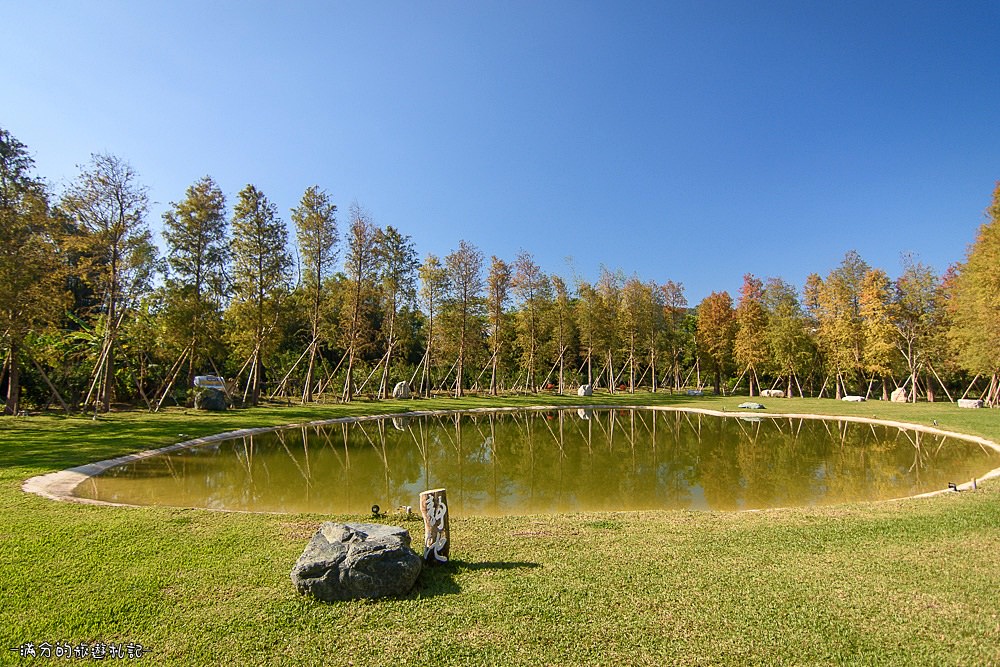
<point x="750" y="343"/>
<point x="716" y="329"/>
<point x="534" y="294"/>
<point x="921" y="322"/>
<point x="397" y="265"/>
<point x="315" y="221"/>
<point x="261" y="266"/>
<point x="197" y="254"/>
<point x="108" y="205"/>
<point x="835" y="305"/>
<point x="498" y="283"/>
<point x="31" y="266"/>
<point x="974" y="303"/>
<point x="788" y="341"/>
<point x="462" y="308"/>
<point x="879" y="335"/>
<point x="433" y="282"/>
<point x="360" y="267"/>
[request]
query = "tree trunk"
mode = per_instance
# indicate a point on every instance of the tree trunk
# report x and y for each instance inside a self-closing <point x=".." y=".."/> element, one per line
<point x="459" y="389"/>
<point x="631" y="371"/>
<point x="13" y="382"/>
<point x="349" y="382"/>
<point x="652" y="366"/>
<point x="562" y="356"/>
<point x="108" y="381"/>
<point x="307" y="393"/>
<point x="611" y="373"/>
<point x="428" y="364"/>
<point x="190" y="373"/>
<point x="257" y="376"/>
<point x="493" y="363"/>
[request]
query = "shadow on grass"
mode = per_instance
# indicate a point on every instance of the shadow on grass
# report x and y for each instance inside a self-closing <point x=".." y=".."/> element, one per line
<point x="439" y="579"/>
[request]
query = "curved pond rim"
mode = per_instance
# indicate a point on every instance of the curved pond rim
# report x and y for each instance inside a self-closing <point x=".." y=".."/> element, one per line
<point x="60" y="485"/>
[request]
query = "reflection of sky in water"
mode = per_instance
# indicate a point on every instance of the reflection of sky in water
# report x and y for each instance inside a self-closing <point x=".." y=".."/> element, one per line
<point x="551" y="461"/>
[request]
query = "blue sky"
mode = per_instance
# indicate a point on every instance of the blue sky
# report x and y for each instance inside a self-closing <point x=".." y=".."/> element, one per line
<point x="688" y="141"/>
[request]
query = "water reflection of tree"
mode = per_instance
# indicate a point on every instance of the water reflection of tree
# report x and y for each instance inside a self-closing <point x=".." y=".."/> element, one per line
<point x="719" y="473"/>
<point x="559" y="460"/>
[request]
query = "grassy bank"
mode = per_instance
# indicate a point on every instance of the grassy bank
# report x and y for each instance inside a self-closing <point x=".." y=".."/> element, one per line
<point x="909" y="582"/>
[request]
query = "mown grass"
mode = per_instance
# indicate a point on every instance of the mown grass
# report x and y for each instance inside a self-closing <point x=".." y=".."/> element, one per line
<point x="908" y="582"/>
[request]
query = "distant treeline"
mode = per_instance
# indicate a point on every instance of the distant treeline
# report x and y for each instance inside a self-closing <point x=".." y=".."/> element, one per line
<point x="92" y="316"/>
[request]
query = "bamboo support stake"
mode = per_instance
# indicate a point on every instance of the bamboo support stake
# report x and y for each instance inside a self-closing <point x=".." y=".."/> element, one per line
<point x="938" y="377"/>
<point x="970" y="385"/>
<point x="281" y="385"/>
<point x="52" y="386"/>
<point x="417" y="369"/>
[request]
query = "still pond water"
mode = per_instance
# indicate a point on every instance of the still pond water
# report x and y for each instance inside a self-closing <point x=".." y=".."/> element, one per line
<point x="550" y="461"/>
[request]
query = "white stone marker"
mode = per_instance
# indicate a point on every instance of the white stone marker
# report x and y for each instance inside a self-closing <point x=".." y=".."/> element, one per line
<point x="437" y="537"/>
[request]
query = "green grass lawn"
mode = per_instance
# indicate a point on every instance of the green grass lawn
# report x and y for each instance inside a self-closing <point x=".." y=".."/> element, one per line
<point x="906" y="582"/>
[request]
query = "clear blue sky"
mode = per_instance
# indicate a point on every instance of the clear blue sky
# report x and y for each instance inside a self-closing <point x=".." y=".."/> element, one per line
<point x="690" y="141"/>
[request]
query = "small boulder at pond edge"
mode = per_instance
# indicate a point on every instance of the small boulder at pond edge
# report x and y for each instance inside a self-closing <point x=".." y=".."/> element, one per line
<point x="585" y="390"/>
<point x="348" y="561"/>
<point x="750" y="405"/>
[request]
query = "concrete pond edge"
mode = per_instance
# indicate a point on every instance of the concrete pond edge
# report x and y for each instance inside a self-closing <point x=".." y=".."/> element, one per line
<point x="61" y="484"/>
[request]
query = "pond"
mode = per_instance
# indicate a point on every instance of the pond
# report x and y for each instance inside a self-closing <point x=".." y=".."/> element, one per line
<point x="550" y="461"/>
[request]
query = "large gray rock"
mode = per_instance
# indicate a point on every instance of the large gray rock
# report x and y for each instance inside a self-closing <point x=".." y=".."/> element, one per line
<point x="401" y="390"/>
<point x="585" y="390"/>
<point x="206" y="398"/>
<point x="772" y="393"/>
<point x="347" y="561"/>
<point x="898" y="395"/>
<point x="970" y="403"/>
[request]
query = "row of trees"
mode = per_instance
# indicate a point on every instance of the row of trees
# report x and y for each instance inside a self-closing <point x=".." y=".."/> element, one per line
<point x="91" y="315"/>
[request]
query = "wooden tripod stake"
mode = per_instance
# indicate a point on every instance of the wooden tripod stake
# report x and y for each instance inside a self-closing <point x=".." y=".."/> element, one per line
<point x="434" y="509"/>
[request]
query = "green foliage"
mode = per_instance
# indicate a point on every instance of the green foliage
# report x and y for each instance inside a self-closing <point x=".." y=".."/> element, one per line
<point x="232" y="304"/>
<point x="750" y="343"/>
<point x="498" y="286"/>
<point x="462" y="309"/>
<point x="876" y="311"/>
<point x="360" y="298"/>
<point x="260" y="282"/>
<point x="194" y="291"/>
<point x="533" y="291"/>
<point x="116" y="255"/>
<point x="397" y="269"/>
<point x="716" y="330"/>
<point x="975" y="298"/>
<point x="835" y="306"/>
<point x="32" y="266"/>
<point x="787" y="334"/>
<point x="316" y="231"/>
<point x="433" y="283"/>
